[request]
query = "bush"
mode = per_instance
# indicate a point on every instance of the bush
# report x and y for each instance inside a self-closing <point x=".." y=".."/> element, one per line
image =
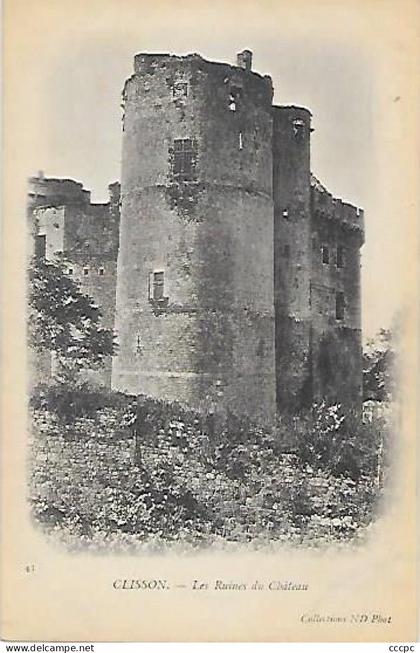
<point x="69" y="403"/>
<point x="200" y="478"/>
<point x="339" y="442"/>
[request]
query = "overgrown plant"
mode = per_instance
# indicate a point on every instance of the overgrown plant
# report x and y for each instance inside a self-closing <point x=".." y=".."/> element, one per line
<point x="65" y="321"/>
<point x="163" y="473"/>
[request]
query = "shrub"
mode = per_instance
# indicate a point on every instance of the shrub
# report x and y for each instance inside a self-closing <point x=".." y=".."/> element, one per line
<point x="339" y="442"/>
<point x="68" y="403"/>
<point x="200" y="478"/>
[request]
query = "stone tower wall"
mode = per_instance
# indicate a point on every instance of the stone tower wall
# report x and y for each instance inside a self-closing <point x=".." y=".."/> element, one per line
<point x="292" y="255"/>
<point x="210" y="337"/>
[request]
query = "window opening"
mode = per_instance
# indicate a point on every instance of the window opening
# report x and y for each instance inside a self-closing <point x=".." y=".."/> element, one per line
<point x="183" y="161"/>
<point x="158" y="285"/>
<point x="325" y="254"/>
<point x="85" y="271"/>
<point x="180" y="89"/>
<point x="340" y="256"/>
<point x="234" y="97"/>
<point x="101" y="272"/>
<point x="298" y="129"/>
<point x="261" y="348"/>
<point x="339" y="306"/>
<point x="138" y="344"/>
<point x="286" y="214"/>
<point x="40" y="246"/>
<point x="241" y="143"/>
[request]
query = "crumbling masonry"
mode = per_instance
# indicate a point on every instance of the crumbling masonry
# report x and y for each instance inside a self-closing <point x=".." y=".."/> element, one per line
<point x="231" y="274"/>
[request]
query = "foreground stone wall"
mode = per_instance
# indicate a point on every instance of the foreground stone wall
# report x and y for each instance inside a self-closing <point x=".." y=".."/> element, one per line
<point x="74" y="472"/>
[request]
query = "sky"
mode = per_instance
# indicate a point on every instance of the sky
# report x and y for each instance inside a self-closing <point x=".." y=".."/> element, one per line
<point x="320" y="55"/>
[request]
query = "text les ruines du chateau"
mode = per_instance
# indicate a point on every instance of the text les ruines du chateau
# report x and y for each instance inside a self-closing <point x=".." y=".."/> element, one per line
<point x="200" y="585"/>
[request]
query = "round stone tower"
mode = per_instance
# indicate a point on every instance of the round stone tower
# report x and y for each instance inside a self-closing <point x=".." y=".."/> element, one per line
<point x="195" y="300"/>
<point x="292" y="255"/>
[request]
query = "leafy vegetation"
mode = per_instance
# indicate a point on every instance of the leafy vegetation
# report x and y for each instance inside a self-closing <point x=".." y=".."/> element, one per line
<point x="64" y="320"/>
<point x="124" y="476"/>
<point x="379" y="367"/>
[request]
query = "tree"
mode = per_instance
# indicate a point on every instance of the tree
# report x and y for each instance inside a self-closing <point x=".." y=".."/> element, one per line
<point x="378" y="367"/>
<point x="64" y="320"/>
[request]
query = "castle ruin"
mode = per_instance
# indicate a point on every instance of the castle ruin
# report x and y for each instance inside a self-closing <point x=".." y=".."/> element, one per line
<point x="229" y="272"/>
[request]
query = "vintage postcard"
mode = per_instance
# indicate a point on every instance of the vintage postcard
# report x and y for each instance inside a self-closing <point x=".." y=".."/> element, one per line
<point x="209" y="369"/>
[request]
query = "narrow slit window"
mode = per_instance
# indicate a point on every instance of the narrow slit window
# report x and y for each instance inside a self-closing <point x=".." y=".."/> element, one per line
<point x="261" y="348"/>
<point x="325" y="254"/>
<point x="241" y="142"/>
<point x="285" y="214"/>
<point x="339" y="306"/>
<point x="139" y="347"/>
<point x="340" y="256"/>
<point x="158" y="285"/>
<point x="183" y="159"/>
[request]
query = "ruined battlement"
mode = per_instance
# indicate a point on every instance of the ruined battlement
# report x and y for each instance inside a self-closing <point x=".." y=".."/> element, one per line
<point x="189" y="66"/>
<point x="50" y="191"/>
<point x="325" y="205"/>
<point x="144" y="61"/>
<point x="293" y="110"/>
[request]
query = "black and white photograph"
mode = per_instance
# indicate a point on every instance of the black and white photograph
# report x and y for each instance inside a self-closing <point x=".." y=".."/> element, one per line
<point x="216" y="281"/>
<point x="197" y="339"/>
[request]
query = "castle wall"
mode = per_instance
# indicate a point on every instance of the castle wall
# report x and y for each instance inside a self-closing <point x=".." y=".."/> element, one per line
<point x="47" y="191"/>
<point x="337" y="235"/>
<point x="85" y="236"/>
<point x="50" y="223"/>
<point x="292" y="255"/>
<point x="210" y="337"/>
